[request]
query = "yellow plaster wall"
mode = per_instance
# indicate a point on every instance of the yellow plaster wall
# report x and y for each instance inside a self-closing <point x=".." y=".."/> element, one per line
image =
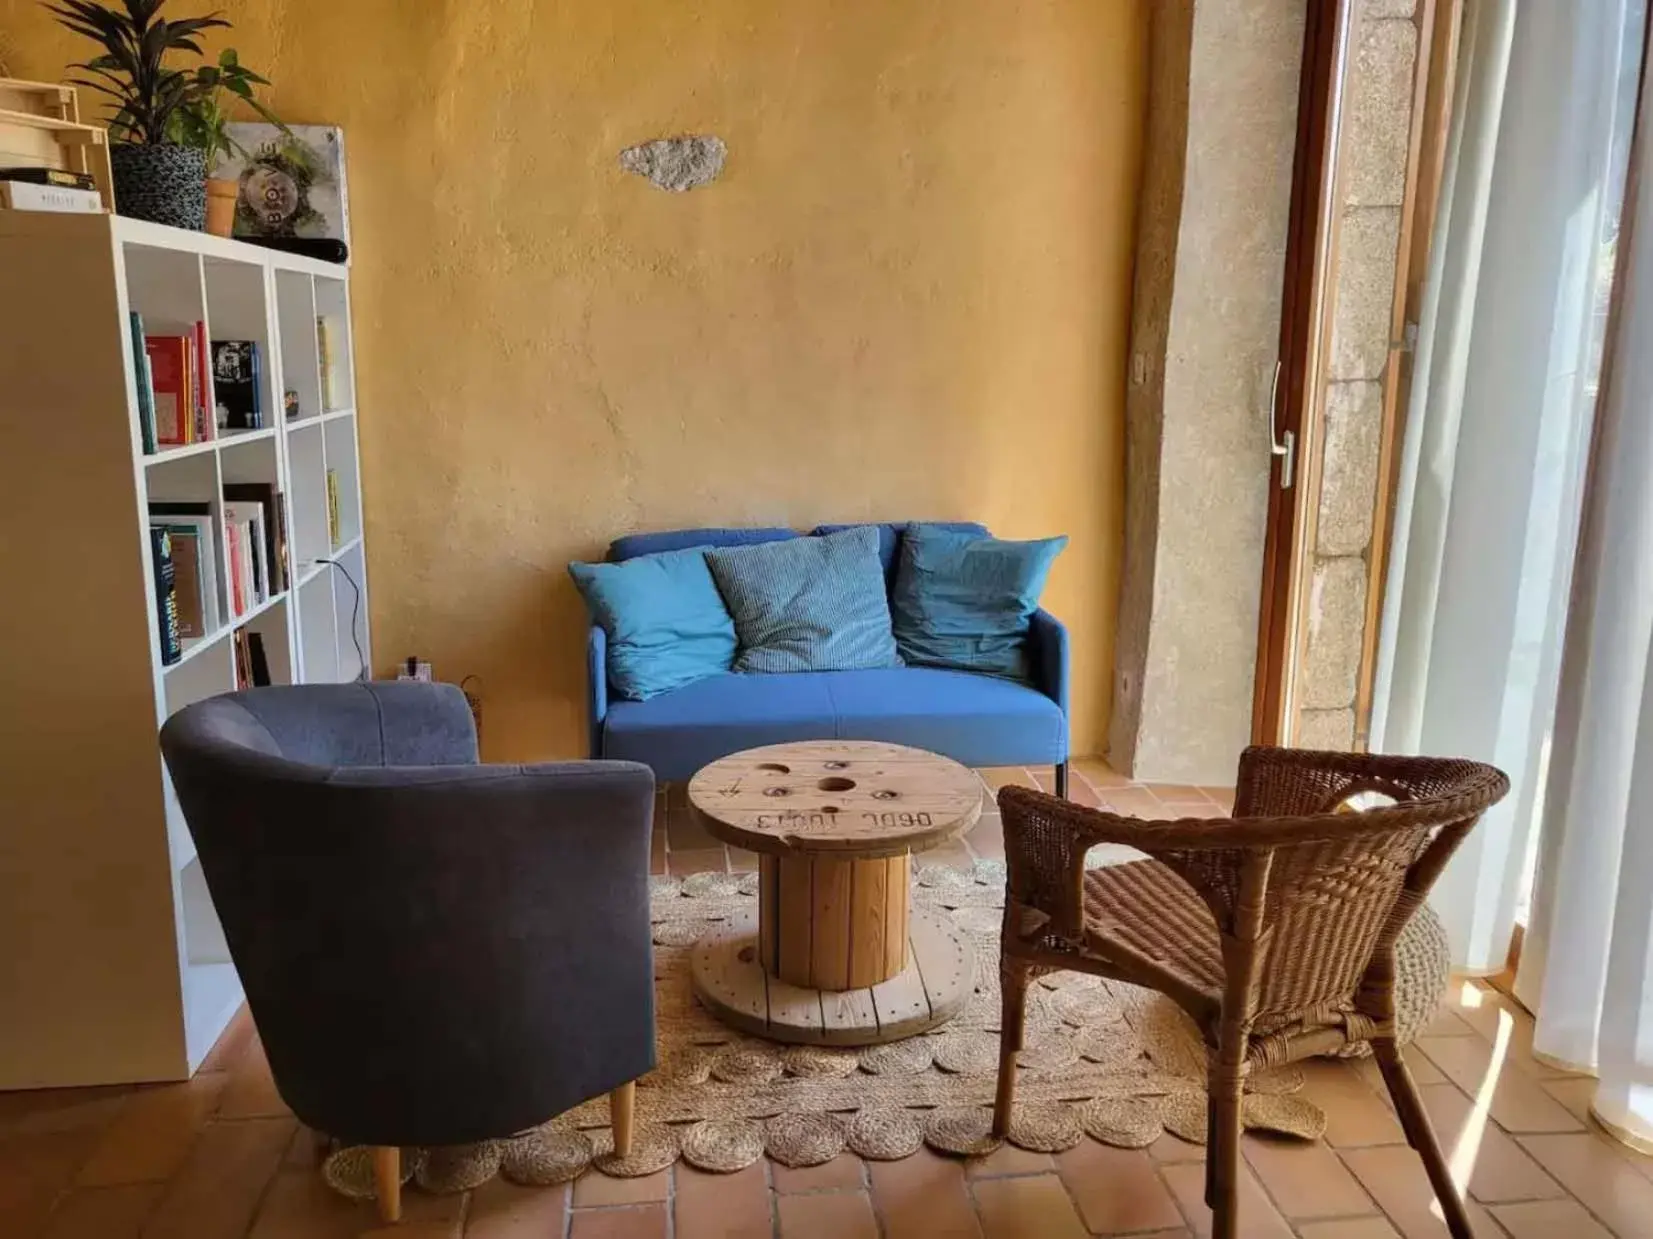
<point x="908" y="295"/>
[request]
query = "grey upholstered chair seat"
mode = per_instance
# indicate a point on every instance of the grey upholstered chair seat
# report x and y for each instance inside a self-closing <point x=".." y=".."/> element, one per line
<point x="434" y="951"/>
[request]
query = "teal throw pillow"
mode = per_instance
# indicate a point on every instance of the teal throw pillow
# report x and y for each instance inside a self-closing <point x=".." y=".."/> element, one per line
<point x="965" y="601"/>
<point x="666" y="622"/>
<point x="808" y="604"/>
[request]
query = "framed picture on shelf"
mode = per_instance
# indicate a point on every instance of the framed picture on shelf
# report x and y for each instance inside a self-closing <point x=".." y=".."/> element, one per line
<point x="291" y="184"/>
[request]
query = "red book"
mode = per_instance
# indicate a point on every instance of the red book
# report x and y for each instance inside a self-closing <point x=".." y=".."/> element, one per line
<point x="169" y="377"/>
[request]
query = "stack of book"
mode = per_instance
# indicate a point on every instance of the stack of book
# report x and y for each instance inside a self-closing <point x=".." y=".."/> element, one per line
<point x="192" y="580"/>
<point x="49" y="189"/>
<point x="174" y="386"/>
<point x="255" y="525"/>
<point x="238" y="384"/>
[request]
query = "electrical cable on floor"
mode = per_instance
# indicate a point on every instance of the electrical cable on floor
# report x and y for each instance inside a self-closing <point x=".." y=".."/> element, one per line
<point x="355" y="614"/>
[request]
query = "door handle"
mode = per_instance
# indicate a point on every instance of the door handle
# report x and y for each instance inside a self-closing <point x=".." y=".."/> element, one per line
<point x="1281" y="445"/>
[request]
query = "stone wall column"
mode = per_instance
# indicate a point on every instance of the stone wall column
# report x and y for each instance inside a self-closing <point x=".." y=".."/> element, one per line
<point x="1211" y="247"/>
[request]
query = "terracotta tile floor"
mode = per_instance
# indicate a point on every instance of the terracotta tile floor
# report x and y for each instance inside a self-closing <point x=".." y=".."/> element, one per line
<point x="221" y="1158"/>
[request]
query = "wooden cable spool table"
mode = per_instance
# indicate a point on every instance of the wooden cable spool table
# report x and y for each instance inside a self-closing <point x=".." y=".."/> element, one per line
<point x="836" y="954"/>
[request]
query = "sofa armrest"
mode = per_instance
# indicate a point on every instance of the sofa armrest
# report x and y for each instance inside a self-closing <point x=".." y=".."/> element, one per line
<point x="596" y="688"/>
<point x="1048" y="653"/>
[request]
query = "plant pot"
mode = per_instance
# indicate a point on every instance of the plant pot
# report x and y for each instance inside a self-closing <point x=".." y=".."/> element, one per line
<point x="221" y="195"/>
<point x="163" y="184"/>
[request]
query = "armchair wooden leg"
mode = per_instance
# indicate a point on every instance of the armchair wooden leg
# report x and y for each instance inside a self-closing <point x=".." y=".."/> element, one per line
<point x="1421" y="1136"/>
<point x="1222" y="1153"/>
<point x="621" y="1103"/>
<point x="1013" y="988"/>
<point x="387" y="1179"/>
<point x="1062" y="779"/>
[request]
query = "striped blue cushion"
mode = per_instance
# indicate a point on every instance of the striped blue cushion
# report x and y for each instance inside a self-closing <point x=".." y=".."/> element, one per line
<point x="808" y="604"/>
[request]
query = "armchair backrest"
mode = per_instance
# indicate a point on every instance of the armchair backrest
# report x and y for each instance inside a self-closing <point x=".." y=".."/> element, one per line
<point x="434" y="951"/>
<point x="1308" y="897"/>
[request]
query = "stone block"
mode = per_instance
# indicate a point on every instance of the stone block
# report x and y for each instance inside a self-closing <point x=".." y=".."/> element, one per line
<point x="1378" y="118"/>
<point x="1348" y="471"/>
<point x="1336" y="622"/>
<point x="1387" y="8"/>
<point x="1364" y="292"/>
<point x="1333" y="730"/>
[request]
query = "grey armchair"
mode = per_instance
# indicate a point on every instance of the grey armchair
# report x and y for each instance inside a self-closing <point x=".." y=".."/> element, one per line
<point x="435" y="951"/>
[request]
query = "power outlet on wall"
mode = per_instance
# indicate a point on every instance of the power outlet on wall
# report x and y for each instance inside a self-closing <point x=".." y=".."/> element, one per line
<point x="415" y="669"/>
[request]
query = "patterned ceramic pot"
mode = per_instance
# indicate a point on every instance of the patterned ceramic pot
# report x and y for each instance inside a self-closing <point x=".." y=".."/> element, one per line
<point x="163" y="184"/>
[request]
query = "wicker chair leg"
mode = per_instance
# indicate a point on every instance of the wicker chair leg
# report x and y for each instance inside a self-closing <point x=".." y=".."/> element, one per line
<point x="1222" y="1157"/>
<point x="1420" y="1134"/>
<point x="1013" y="979"/>
<point x="1062" y="779"/>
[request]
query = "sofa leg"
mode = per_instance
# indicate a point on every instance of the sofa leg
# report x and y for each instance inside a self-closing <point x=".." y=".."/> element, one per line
<point x="387" y="1179"/>
<point x="621" y="1103"/>
<point x="1062" y="779"/>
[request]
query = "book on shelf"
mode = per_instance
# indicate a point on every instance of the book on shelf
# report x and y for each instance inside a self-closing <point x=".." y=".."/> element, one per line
<point x="273" y="526"/>
<point x="18" y="195"/>
<point x="180" y="387"/>
<point x="61" y="177"/>
<point x="206" y="422"/>
<point x="168" y="382"/>
<point x="332" y="507"/>
<point x="237" y="368"/>
<point x="335" y="393"/>
<point x="245" y="520"/>
<point x="190" y="527"/>
<point x="166" y="598"/>
<point x="145" y="385"/>
<point x="252" y="664"/>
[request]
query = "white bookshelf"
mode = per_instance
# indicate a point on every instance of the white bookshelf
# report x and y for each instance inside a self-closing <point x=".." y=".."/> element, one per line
<point x="112" y="962"/>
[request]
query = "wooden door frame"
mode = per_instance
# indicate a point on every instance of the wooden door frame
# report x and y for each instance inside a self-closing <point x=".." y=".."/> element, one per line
<point x="1305" y="330"/>
<point x="1310" y="241"/>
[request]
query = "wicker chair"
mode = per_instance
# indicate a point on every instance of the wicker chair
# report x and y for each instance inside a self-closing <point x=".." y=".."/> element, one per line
<point x="1274" y="930"/>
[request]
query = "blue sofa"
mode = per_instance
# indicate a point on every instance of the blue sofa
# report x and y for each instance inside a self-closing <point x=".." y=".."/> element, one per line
<point x="979" y="720"/>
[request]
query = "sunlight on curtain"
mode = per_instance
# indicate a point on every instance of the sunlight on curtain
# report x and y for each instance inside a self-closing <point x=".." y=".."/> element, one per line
<point x="1587" y="968"/>
<point x="1492" y="465"/>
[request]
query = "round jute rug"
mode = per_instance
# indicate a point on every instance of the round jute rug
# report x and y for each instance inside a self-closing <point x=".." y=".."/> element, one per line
<point x="1103" y="1061"/>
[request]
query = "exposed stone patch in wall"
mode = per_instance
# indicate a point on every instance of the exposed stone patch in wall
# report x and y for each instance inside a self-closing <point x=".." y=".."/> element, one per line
<point x="1348" y="483"/>
<point x="1337" y="603"/>
<point x="1326" y="729"/>
<point x="677" y="164"/>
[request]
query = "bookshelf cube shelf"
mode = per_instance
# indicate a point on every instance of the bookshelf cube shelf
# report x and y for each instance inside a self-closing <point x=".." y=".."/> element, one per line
<point x="117" y="968"/>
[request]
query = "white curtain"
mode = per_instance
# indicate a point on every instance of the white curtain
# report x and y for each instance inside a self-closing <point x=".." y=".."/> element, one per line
<point x="1587" y="968"/>
<point x="1493" y="459"/>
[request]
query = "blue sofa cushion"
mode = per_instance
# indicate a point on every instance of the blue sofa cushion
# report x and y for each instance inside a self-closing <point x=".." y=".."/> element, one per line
<point x="889" y="540"/>
<point x="966" y="600"/>
<point x="975" y="719"/>
<point x="807" y="604"/>
<point x="635" y="544"/>
<point x="666" y="622"/>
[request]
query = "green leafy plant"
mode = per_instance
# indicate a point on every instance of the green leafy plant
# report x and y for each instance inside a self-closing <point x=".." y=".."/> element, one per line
<point x="200" y="121"/>
<point x="132" y="69"/>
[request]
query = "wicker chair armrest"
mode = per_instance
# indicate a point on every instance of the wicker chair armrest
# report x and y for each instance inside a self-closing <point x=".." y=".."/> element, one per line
<point x="1045" y="843"/>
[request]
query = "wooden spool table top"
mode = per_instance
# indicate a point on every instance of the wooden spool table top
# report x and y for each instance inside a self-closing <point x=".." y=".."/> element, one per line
<point x="857" y="798"/>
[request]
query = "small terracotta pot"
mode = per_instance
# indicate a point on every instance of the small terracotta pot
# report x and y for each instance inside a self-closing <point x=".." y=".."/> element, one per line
<point x="221" y="196"/>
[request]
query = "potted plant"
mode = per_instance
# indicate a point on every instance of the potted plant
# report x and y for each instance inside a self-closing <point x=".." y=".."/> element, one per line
<point x="156" y="177"/>
<point x="202" y="123"/>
